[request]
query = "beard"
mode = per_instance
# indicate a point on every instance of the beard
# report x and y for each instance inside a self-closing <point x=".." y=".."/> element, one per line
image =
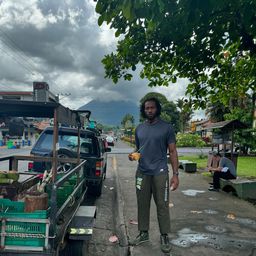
<point x="151" y="117"/>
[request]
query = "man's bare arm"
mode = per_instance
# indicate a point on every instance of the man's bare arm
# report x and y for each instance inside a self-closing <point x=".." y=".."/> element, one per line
<point x="173" y="157"/>
<point x="174" y="181"/>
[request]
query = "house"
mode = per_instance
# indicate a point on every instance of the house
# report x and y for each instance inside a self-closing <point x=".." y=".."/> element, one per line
<point x="199" y="127"/>
<point x="40" y="93"/>
<point x="18" y="95"/>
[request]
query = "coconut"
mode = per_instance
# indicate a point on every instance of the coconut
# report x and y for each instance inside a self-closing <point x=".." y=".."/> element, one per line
<point x="13" y="175"/>
<point x="6" y="181"/>
<point x="3" y="175"/>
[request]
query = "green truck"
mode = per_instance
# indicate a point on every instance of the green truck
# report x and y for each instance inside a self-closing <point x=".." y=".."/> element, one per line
<point x="60" y="225"/>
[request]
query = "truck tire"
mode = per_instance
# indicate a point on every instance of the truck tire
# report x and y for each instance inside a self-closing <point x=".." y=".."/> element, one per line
<point x="75" y="247"/>
<point x="65" y="153"/>
<point x="96" y="190"/>
<point x="105" y="172"/>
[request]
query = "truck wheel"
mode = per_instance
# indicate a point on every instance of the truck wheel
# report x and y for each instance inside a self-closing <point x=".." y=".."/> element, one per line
<point x="75" y="247"/>
<point x="96" y="190"/>
<point x="105" y="172"/>
<point x="65" y="153"/>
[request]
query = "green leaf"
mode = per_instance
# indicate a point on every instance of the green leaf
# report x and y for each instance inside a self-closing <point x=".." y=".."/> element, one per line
<point x="115" y="79"/>
<point x="174" y="79"/>
<point x="127" y="12"/>
<point x="99" y="7"/>
<point x="100" y="20"/>
<point x="161" y="5"/>
<point x="117" y="33"/>
<point x="128" y="77"/>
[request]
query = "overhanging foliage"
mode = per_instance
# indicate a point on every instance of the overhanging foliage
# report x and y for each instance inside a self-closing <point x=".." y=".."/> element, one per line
<point x="212" y="43"/>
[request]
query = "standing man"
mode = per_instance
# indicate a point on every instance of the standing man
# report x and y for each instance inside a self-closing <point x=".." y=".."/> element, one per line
<point x="153" y="138"/>
<point x="226" y="170"/>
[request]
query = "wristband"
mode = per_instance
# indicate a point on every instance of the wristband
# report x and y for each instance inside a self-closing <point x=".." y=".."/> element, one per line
<point x="175" y="173"/>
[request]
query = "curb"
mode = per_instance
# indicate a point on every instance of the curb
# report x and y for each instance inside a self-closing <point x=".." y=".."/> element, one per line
<point x="119" y="221"/>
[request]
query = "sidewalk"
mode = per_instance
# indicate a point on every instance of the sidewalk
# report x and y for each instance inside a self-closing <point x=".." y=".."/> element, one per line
<point x="203" y="222"/>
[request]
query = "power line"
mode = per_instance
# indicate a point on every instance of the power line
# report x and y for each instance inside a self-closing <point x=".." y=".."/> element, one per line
<point x="16" y="60"/>
<point x="29" y="65"/>
<point x="17" y="49"/>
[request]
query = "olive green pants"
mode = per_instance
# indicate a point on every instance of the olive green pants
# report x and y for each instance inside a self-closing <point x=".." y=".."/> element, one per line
<point x="158" y="185"/>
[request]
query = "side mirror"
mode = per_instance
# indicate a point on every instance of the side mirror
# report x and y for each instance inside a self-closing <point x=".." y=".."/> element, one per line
<point x="107" y="149"/>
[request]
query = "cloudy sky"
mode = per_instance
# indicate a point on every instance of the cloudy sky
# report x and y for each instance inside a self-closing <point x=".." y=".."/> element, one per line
<point x="59" y="42"/>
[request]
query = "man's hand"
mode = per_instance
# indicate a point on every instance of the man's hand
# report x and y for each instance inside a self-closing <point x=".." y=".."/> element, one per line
<point x="130" y="157"/>
<point x="174" y="182"/>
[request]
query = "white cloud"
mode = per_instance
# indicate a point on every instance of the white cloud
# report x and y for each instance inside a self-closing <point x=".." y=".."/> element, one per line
<point x="107" y="36"/>
<point x="22" y="13"/>
<point x="61" y="43"/>
<point x="174" y="91"/>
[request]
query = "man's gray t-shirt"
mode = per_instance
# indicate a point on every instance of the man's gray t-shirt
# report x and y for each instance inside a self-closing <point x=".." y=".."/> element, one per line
<point x="154" y="140"/>
<point x="225" y="162"/>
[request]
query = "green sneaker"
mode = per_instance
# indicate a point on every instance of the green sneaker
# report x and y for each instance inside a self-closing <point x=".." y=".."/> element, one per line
<point x="141" y="238"/>
<point x="165" y="244"/>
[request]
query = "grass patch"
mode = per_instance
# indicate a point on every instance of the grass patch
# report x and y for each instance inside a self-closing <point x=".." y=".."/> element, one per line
<point x="201" y="163"/>
<point x="246" y="166"/>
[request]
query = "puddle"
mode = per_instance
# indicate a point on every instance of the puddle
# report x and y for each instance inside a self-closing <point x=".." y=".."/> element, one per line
<point x="215" y="229"/>
<point x="244" y="221"/>
<point x="217" y="240"/>
<point x="192" y="192"/>
<point x="197" y="212"/>
<point x="187" y="238"/>
<point x="213" y="198"/>
<point x="209" y="211"/>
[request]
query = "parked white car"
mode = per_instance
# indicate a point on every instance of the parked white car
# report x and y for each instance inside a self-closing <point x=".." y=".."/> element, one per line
<point x="110" y="140"/>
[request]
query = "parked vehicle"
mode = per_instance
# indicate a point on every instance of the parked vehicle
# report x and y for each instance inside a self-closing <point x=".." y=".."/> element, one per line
<point x="110" y="140"/>
<point x="92" y="148"/>
<point x="60" y="224"/>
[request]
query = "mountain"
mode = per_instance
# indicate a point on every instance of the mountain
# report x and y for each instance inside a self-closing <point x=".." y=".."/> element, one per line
<point x="111" y="113"/>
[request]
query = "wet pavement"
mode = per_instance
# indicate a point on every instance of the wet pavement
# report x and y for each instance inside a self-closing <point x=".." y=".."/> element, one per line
<point x="203" y="222"/>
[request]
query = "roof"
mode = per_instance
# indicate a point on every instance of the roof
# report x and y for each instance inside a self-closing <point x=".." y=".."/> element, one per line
<point x="226" y="125"/>
<point x="18" y="108"/>
<point x="11" y="108"/>
<point x="42" y="125"/>
<point x="16" y="93"/>
<point x="201" y="122"/>
<point x="71" y="130"/>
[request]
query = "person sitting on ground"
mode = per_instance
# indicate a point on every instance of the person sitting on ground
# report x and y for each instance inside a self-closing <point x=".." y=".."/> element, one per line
<point x="225" y="170"/>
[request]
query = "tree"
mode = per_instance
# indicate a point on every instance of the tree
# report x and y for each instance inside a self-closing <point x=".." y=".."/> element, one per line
<point x="185" y="113"/>
<point x="241" y="109"/>
<point x="169" y="113"/>
<point x="210" y="42"/>
<point x="128" y="121"/>
<point x="216" y="111"/>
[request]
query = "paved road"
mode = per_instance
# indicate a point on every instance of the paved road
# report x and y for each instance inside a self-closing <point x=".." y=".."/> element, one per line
<point x="117" y="205"/>
<point x="203" y="223"/>
<point x="17" y="151"/>
<point x="124" y="149"/>
<point x="23" y="165"/>
<point x="108" y="218"/>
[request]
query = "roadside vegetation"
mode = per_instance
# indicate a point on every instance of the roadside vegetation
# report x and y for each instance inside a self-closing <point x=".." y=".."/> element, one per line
<point x="245" y="165"/>
<point x="189" y="140"/>
<point x="213" y="48"/>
